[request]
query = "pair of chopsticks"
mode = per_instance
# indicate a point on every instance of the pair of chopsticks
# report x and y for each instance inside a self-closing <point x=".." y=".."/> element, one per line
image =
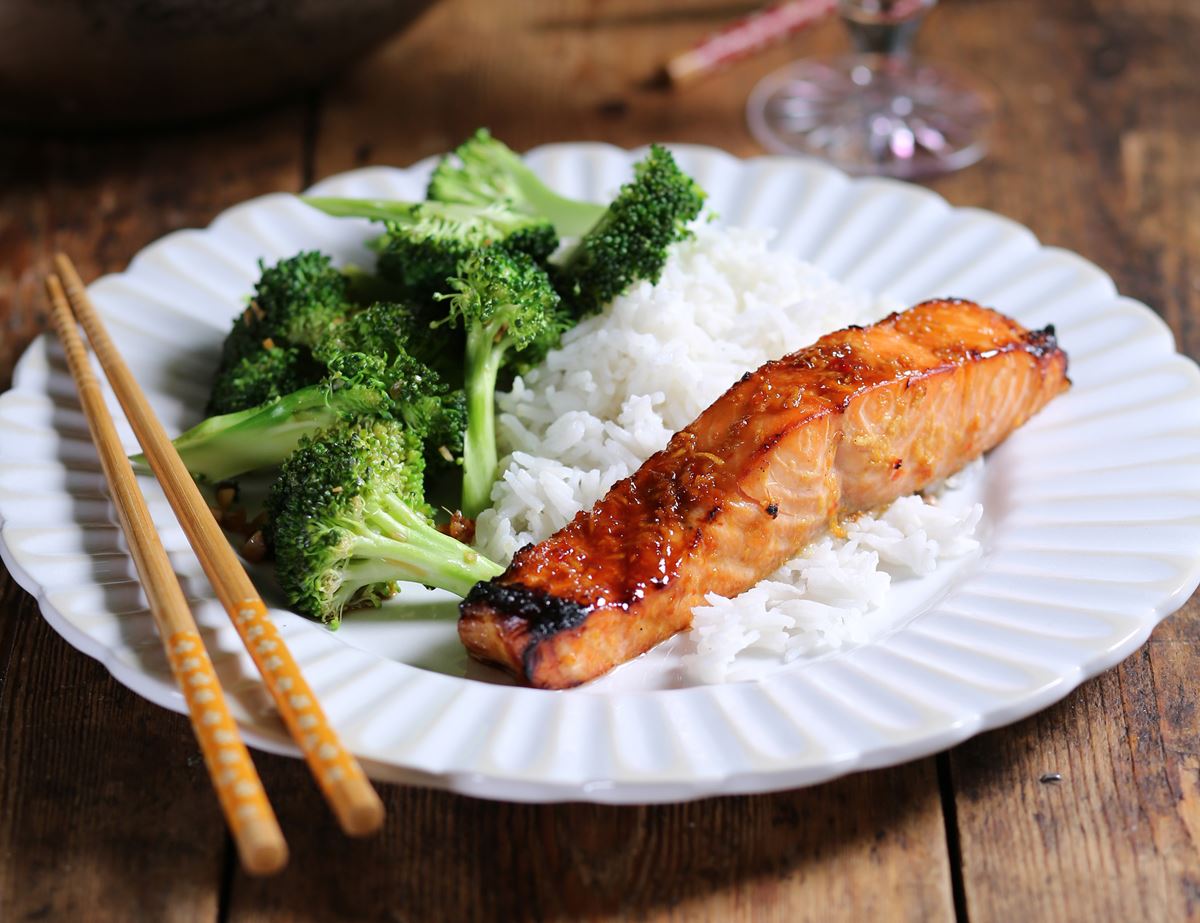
<point x="243" y="800"/>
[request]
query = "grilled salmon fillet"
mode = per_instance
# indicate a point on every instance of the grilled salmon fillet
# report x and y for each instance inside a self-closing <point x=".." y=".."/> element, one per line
<point x="858" y="419"/>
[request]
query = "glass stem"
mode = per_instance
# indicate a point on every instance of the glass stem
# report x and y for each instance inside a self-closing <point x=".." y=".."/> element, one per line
<point x="883" y="26"/>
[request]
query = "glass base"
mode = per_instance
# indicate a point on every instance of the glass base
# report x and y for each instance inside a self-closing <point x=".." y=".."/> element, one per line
<point x="874" y="114"/>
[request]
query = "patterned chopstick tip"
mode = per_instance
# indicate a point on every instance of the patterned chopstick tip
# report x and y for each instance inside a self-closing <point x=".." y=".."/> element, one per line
<point x="228" y="760"/>
<point x="329" y="759"/>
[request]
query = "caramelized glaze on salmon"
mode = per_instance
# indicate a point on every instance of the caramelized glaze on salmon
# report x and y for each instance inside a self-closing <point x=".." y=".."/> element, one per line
<point x="861" y="417"/>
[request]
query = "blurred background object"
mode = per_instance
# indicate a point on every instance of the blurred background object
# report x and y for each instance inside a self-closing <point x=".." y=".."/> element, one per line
<point x="878" y="111"/>
<point x="746" y="36"/>
<point x="87" y="63"/>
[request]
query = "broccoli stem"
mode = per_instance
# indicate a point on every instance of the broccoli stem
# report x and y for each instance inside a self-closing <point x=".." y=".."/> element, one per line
<point x="395" y="543"/>
<point x="571" y="218"/>
<point x="485" y="354"/>
<point x="375" y="209"/>
<point x="225" y="446"/>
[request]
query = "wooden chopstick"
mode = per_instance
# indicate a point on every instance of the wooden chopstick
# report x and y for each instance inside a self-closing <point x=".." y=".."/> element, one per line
<point x="357" y="806"/>
<point x="259" y="840"/>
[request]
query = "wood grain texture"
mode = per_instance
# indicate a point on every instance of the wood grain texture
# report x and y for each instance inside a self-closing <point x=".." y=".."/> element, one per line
<point x="870" y="845"/>
<point x="560" y="70"/>
<point x="90" y="828"/>
<point x="1117" y="178"/>
<point x="103" y="198"/>
<point x="1108" y="841"/>
<point x="1118" y="836"/>
<point x="12" y="598"/>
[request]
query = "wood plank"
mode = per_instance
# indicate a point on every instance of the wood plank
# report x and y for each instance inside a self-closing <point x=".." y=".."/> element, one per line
<point x="1116" y="177"/>
<point x="22" y="227"/>
<point x="11" y="596"/>
<point x="106" y="812"/>
<point x="870" y="846"/>
<point x="1119" y="836"/>
<point x="534" y="73"/>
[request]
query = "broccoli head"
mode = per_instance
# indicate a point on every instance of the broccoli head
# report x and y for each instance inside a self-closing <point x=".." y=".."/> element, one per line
<point x="425" y="241"/>
<point x="448" y="427"/>
<point x="630" y="242"/>
<point x="261" y="375"/>
<point x="349" y="520"/>
<point x="424" y="250"/>
<point x="482" y="171"/>
<point x="382" y="329"/>
<point x="298" y="300"/>
<point x="267" y="353"/>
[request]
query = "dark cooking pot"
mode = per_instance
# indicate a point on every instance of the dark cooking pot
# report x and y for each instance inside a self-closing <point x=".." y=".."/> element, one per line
<point x="92" y="62"/>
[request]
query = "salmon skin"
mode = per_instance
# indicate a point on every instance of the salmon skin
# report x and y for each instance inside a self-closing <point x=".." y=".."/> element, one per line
<point x="858" y="419"/>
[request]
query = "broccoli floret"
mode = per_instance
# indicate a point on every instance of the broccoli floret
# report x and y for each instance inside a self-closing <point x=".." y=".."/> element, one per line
<point x="448" y="427"/>
<point x="425" y="241"/>
<point x="244" y="340"/>
<point x="507" y="306"/>
<point x="629" y="243"/>
<point x="390" y="329"/>
<point x="484" y="171"/>
<point x="417" y="395"/>
<point x="225" y="446"/>
<point x="268" y="351"/>
<point x="383" y="329"/>
<point x="267" y="373"/>
<point x="298" y="300"/>
<point x="349" y="520"/>
<point x="422" y="252"/>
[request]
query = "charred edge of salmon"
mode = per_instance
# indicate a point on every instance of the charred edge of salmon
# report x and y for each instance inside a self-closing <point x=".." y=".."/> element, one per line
<point x="1042" y="342"/>
<point x="546" y="614"/>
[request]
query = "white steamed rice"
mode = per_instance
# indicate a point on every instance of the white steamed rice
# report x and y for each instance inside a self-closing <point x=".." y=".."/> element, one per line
<point x="623" y="381"/>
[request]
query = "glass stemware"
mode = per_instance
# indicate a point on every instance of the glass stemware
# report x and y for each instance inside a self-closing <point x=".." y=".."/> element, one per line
<point x="879" y="110"/>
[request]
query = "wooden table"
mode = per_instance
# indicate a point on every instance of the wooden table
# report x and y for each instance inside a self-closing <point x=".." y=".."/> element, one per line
<point x="105" y="812"/>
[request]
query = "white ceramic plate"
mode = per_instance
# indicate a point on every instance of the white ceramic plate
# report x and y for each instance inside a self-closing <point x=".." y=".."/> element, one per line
<point x="1091" y="536"/>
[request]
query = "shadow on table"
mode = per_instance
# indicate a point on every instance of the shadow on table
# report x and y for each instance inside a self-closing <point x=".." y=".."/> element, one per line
<point x="448" y="857"/>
